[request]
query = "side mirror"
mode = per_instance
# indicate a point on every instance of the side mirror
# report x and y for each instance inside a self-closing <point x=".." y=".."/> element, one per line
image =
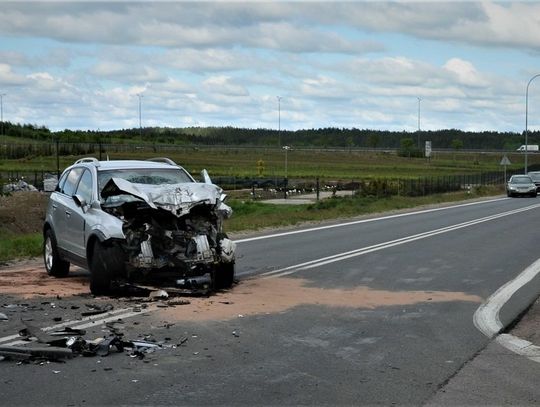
<point x="206" y="177"/>
<point x="80" y="201"/>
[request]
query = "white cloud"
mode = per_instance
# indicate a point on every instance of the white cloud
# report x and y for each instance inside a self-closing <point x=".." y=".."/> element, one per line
<point x="224" y="85"/>
<point x="10" y="78"/>
<point x="465" y="73"/>
<point x="223" y="63"/>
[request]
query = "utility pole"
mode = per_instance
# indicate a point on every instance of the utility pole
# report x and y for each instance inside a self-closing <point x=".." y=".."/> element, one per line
<point x="279" y="120"/>
<point x="419" y="100"/>
<point x="527" y="119"/>
<point x="139" y="95"/>
<point x="2" y="110"/>
<point x="286" y="148"/>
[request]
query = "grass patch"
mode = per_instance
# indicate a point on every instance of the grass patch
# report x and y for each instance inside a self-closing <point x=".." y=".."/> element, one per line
<point x="250" y="215"/>
<point x="19" y="247"/>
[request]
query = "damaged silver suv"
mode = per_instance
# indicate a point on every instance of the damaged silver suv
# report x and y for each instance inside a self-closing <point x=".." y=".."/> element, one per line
<point x="133" y="220"/>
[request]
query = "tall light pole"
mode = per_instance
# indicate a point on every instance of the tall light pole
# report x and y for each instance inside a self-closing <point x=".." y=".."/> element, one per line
<point x="419" y="100"/>
<point x="286" y="148"/>
<point x="527" y="118"/>
<point x="279" y="119"/>
<point x="139" y="95"/>
<point x="2" y="110"/>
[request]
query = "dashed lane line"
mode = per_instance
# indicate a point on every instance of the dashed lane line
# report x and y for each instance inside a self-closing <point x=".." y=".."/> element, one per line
<point x="385" y="245"/>
<point x="356" y="222"/>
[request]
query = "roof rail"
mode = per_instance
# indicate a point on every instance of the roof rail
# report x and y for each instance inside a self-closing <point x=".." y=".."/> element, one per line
<point x="87" y="160"/>
<point x="162" y="160"/>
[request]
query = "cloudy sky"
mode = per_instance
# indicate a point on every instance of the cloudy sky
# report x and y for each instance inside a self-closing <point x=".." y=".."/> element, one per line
<point x="82" y="65"/>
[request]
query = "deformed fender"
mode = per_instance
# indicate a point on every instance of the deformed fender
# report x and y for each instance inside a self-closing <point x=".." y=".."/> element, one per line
<point x="227" y="250"/>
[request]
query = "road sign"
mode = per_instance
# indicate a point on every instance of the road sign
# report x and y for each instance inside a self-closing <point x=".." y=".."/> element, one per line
<point x="428" y="149"/>
<point x="505" y="161"/>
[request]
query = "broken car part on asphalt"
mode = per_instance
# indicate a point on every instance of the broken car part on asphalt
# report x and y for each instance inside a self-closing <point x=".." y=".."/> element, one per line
<point x="68" y="342"/>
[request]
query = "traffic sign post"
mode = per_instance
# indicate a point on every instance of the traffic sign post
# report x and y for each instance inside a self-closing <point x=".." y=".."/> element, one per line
<point x="505" y="161"/>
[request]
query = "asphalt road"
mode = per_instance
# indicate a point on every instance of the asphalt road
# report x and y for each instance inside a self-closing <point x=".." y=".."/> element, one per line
<point x="375" y="311"/>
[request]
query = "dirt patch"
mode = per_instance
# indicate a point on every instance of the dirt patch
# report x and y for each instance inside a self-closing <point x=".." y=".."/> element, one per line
<point x="28" y="279"/>
<point x="22" y="212"/>
<point x="528" y="327"/>
<point x="250" y="297"/>
<point x="275" y="295"/>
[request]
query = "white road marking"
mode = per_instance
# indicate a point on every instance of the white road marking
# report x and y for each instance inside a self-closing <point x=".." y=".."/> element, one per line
<point x="486" y="317"/>
<point x="380" y="246"/>
<point x="356" y="222"/>
<point x="83" y="323"/>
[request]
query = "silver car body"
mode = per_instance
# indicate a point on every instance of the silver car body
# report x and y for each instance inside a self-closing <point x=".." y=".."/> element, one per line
<point x="520" y="185"/>
<point x="535" y="176"/>
<point x="155" y="215"/>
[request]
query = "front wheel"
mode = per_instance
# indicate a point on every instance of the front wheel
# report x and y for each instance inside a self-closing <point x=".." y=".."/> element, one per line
<point x="224" y="276"/>
<point x="54" y="264"/>
<point x="105" y="265"/>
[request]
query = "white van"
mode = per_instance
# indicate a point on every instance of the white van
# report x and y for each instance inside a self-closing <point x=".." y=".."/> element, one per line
<point x="529" y="147"/>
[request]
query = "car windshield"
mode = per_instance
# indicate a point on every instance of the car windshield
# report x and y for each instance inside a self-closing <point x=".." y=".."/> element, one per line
<point x="150" y="176"/>
<point x="535" y="176"/>
<point x="521" y="180"/>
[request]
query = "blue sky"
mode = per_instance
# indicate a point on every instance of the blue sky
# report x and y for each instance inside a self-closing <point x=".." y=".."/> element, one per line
<point x="81" y="65"/>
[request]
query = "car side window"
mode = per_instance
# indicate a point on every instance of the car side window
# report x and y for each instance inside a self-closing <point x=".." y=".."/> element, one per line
<point x="61" y="182"/>
<point x="85" y="186"/>
<point x="71" y="181"/>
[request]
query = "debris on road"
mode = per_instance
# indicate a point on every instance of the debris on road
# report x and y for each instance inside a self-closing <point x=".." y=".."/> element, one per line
<point x="94" y="309"/>
<point x="158" y="295"/>
<point x="69" y="342"/>
<point x="51" y="353"/>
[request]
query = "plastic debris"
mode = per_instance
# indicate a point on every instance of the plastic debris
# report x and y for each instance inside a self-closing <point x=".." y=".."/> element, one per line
<point x="159" y="295"/>
<point x="49" y="353"/>
<point x="96" y="309"/>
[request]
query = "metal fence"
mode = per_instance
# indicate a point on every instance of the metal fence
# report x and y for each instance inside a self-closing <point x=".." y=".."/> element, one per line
<point x="46" y="180"/>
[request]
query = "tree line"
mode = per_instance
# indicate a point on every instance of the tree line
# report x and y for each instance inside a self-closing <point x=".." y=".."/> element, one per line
<point x="323" y="137"/>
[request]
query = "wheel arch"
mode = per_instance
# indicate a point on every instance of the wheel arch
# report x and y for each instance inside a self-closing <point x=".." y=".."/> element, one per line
<point x="96" y="236"/>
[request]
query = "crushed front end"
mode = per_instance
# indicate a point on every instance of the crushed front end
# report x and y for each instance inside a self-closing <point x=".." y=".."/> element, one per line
<point x="172" y="231"/>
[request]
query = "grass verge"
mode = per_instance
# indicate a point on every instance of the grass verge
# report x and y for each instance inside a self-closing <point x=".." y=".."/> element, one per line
<point x="249" y="215"/>
<point x="20" y="247"/>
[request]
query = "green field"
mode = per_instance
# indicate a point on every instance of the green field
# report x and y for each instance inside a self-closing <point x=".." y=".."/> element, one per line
<point x="303" y="164"/>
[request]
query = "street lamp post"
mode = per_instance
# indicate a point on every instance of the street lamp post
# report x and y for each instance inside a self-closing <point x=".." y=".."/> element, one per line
<point x="286" y="148"/>
<point x="527" y="118"/>
<point x="419" y="100"/>
<point x="2" y="110"/>
<point x="140" y="122"/>
<point x="279" y="120"/>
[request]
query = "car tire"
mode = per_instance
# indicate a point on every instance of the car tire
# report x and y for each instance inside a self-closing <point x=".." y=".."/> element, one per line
<point x="224" y="275"/>
<point x="105" y="265"/>
<point x="54" y="264"/>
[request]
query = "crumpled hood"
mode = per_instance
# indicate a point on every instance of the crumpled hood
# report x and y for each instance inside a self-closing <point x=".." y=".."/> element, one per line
<point x="176" y="198"/>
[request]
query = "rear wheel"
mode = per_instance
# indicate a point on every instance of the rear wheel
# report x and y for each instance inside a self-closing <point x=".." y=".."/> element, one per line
<point x="105" y="265"/>
<point x="54" y="264"/>
<point x="224" y="276"/>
